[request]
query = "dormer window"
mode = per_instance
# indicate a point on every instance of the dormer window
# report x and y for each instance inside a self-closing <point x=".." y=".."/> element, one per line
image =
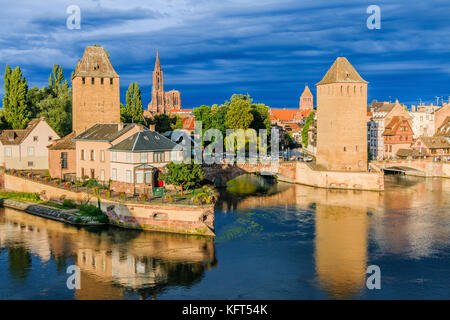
<point x="93" y="80"/>
<point x="35" y="138"/>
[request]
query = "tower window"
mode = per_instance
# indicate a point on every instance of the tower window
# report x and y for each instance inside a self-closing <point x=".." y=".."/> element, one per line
<point x="111" y="81"/>
<point x="83" y="80"/>
<point x="93" y="80"/>
<point x="345" y="148"/>
<point x="101" y="81"/>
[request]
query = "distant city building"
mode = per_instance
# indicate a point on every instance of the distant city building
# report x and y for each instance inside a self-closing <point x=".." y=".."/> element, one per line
<point x="423" y="120"/>
<point x="381" y="115"/>
<point x="444" y="129"/>
<point x="342" y="119"/>
<point x="306" y="100"/>
<point x="27" y="148"/>
<point x="436" y="147"/>
<point x="162" y="102"/>
<point x="398" y="134"/>
<point x="95" y="91"/>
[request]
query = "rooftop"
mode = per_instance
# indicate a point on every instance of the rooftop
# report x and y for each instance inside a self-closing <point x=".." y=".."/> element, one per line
<point x="95" y="63"/>
<point x="341" y="71"/>
<point x="145" y="141"/>
<point x="64" y="143"/>
<point x="105" y="132"/>
<point x="13" y="137"/>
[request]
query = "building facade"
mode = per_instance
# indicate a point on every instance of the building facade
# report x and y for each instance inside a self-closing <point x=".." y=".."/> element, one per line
<point x="26" y="149"/>
<point x="93" y="160"/>
<point x="62" y="158"/>
<point x="95" y="91"/>
<point x="162" y="102"/>
<point x="137" y="161"/>
<point x="342" y="119"/>
<point x="398" y="134"/>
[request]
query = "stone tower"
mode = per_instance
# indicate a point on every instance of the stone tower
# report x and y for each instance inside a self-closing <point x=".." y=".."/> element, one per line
<point x="342" y="119"/>
<point x="306" y="100"/>
<point x="95" y="91"/>
<point x="162" y="102"/>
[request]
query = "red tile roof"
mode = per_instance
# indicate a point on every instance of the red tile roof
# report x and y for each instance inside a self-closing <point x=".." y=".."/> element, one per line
<point x="286" y="114"/>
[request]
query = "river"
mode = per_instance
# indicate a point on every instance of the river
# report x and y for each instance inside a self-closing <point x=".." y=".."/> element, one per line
<point x="274" y="241"/>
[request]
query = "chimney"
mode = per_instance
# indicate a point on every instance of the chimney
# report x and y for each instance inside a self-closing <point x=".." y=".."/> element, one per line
<point x="152" y="127"/>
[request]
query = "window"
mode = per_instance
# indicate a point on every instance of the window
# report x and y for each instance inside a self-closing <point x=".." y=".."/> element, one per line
<point x="113" y="156"/>
<point x="83" y="80"/>
<point x="82" y="172"/>
<point x="64" y="161"/>
<point x="143" y="157"/>
<point x="111" y="81"/>
<point x="345" y="149"/>
<point x="35" y="139"/>
<point x="114" y="174"/>
<point x="30" y="163"/>
<point x="92" y="155"/>
<point x="30" y="151"/>
<point x="174" y="156"/>
<point x="356" y="148"/>
<point x="82" y="154"/>
<point x="102" y="175"/>
<point x="128" y="176"/>
<point x="148" y="177"/>
<point x="50" y="138"/>
<point x="92" y="173"/>
<point x="101" y="81"/>
<point x="102" y="155"/>
<point x="92" y="80"/>
<point x="158" y="157"/>
<point x="7" y="152"/>
<point x="139" y="177"/>
<point x="128" y="157"/>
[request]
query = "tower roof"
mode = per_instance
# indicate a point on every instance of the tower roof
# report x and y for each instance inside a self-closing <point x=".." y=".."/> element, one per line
<point x="157" y="63"/>
<point x="306" y="92"/>
<point x="341" y="71"/>
<point x="95" y="63"/>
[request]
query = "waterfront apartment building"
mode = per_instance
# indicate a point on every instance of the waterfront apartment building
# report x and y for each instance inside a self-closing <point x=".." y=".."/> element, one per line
<point x="398" y="134"/>
<point x="342" y="119"/>
<point x="93" y="160"/>
<point x="382" y="114"/>
<point x="423" y="120"/>
<point x="26" y="149"/>
<point x="137" y="161"/>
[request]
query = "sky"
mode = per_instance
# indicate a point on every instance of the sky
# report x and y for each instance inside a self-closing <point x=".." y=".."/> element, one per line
<point x="210" y="49"/>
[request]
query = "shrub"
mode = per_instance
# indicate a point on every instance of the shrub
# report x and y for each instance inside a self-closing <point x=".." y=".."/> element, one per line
<point x="69" y="204"/>
<point x="27" y="196"/>
<point x="93" y="211"/>
<point x="168" y="198"/>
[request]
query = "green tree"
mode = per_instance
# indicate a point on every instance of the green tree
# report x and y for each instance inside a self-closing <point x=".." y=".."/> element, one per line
<point x="203" y="114"/>
<point x="261" y="117"/>
<point x="163" y="122"/>
<point x="132" y="112"/>
<point x="178" y="123"/>
<point x="185" y="175"/>
<point x="239" y="114"/>
<point x="56" y="106"/>
<point x="308" y="122"/>
<point x="15" y="106"/>
<point x="218" y="116"/>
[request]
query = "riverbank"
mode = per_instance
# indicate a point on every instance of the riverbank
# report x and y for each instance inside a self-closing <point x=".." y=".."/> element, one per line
<point x="140" y="215"/>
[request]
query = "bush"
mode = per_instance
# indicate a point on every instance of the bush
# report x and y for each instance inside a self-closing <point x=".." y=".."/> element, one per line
<point x="93" y="211"/>
<point x="27" y="196"/>
<point x="69" y="204"/>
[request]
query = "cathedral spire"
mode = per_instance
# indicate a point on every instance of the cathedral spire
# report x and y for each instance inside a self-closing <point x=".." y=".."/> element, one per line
<point x="157" y="63"/>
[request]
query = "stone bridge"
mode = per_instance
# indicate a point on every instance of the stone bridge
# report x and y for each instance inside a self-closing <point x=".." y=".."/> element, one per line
<point x="221" y="173"/>
<point x="416" y="167"/>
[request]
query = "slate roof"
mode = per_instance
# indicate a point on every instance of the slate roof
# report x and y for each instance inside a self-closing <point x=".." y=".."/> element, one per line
<point x="145" y="141"/>
<point x="64" y="143"/>
<point x="95" y="63"/>
<point x="104" y="132"/>
<point x="342" y="71"/>
<point x="14" y="137"/>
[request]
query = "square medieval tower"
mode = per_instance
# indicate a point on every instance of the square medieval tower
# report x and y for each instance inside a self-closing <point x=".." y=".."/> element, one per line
<point x="342" y="119"/>
<point x="95" y="91"/>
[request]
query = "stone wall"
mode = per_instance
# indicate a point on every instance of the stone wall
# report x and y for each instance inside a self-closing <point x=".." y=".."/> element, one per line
<point x="165" y="217"/>
<point x="426" y="167"/>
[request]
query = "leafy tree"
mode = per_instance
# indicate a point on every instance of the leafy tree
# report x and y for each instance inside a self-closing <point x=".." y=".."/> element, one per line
<point x="132" y="112"/>
<point x="185" y="175"/>
<point x="203" y="114"/>
<point x="308" y="122"/>
<point x="15" y="106"/>
<point x="261" y="117"/>
<point x="239" y="114"/>
<point x="56" y="106"/>
<point x="178" y="123"/>
<point x="218" y="116"/>
<point x="163" y="122"/>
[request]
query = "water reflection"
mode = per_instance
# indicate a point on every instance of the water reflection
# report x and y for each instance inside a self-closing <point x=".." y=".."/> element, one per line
<point x="409" y="220"/>
<point x="114" y="263"/>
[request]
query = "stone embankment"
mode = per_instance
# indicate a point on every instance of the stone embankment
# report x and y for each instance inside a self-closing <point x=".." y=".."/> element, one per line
<point x="67" y="216"/>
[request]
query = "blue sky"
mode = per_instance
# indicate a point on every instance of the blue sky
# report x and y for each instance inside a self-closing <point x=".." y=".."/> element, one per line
<point x="211" y="49"/>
